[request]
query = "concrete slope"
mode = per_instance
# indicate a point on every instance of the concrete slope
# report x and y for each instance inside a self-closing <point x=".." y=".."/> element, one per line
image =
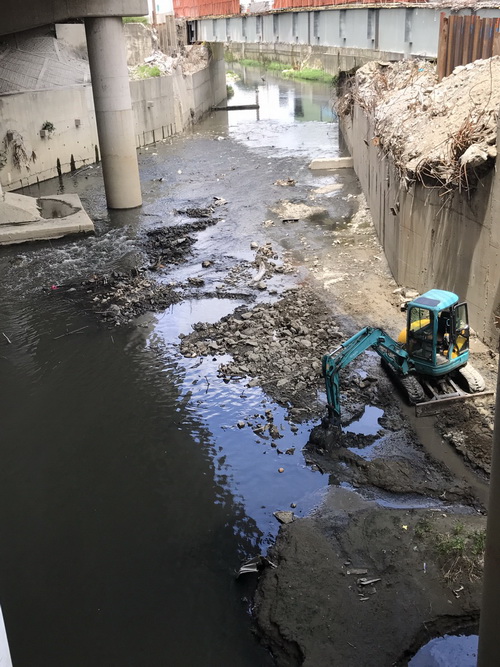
<point x="36" y="60"/>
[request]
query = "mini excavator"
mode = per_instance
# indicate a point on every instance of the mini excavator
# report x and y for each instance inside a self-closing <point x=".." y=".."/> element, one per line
<point x="429" y="360"/>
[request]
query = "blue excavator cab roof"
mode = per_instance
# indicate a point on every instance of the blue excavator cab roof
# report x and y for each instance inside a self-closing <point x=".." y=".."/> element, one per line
<point x="435" y="300"/>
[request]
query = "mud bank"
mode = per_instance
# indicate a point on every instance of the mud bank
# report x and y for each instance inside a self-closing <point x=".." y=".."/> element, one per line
<point x="359" y="586"/>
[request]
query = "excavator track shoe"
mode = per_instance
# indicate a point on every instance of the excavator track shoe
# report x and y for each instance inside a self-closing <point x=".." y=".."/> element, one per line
<point x="413" y="389"/>
<point x="475" y="381"/>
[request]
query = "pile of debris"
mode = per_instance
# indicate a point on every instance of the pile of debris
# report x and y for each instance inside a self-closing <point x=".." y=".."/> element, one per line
<point x="189" y="59"/>
<point x="273" y="344"/>
<point x="440" y="134"/>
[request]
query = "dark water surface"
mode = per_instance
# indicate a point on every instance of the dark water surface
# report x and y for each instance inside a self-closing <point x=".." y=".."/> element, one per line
<point x="128" y="496"/>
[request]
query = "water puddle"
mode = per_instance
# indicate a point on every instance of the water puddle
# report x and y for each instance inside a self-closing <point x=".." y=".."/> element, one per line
<point x="180" y="317"/>
<point x="456" y="650"/>
<point x="368" y="423"/>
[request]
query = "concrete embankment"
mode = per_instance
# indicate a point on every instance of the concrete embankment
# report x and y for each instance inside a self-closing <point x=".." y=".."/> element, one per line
<point x="331" y="59"/>
<point x="437" y="228"/>
<point x="47" y="132"/>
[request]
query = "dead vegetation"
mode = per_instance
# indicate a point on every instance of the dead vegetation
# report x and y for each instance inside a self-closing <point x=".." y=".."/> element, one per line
<point x="459" y="550"/>
<point x="439" y="134"/>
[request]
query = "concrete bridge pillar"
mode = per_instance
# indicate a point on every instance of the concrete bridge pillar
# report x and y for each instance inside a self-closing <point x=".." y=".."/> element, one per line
<point x="113" y="106"/>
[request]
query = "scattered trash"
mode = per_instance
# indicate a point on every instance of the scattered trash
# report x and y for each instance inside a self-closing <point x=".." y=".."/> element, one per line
<point x="457" y="591"/>
<point x="260" y="274"/>
<point x="366" y="582"/>
<point x="357" y="571"/>
<point x="286" y="220"/>
<point x="255" y="564"/>
<point x="285" y="182"/>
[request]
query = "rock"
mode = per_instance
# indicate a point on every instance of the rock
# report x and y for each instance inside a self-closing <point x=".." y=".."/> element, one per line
<point x="196" y="282"/>
<point x="410" y="293"/>
<point x="205" y="264"/>
<point x="241" y="424"/>
<point x="282" y="515"/>
<point x="474" y="156"/>
<point x="254" y="245"/>
<point x="261" y="285"/>
<point x="114" y="310"/>
<point x="274" y="432"/>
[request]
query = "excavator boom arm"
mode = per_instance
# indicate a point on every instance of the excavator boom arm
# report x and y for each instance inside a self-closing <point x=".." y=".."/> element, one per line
<point x="369" y="337"/>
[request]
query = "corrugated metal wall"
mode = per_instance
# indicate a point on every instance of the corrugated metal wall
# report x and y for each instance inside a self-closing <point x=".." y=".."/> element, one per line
<point x="197" y="8"/>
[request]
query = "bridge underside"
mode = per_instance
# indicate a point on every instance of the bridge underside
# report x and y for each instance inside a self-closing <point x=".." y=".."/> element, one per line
<point x="33" y="13"/>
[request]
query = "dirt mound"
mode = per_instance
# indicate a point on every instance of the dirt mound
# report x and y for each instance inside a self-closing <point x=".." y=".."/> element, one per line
<point x="437" y="133"/>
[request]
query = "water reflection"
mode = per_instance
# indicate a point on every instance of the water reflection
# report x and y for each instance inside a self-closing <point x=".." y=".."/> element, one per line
<point x="127" y="494"/>
<point x="284" y="100"/>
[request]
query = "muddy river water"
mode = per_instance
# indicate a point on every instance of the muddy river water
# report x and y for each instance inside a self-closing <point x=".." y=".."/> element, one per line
<point x="128" y="496"/>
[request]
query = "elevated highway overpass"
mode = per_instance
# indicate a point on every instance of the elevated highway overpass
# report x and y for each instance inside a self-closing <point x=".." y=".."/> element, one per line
<point x="110" y="80"/>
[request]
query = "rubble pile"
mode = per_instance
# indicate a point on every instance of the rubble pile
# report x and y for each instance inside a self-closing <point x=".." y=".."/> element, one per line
<point x="275" y="344"/>
<point x="440" y="134"/>
<point x="189" y="59"/>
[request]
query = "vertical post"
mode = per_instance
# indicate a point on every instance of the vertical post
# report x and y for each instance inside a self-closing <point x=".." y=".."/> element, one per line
<point x="114" y="115"/>
<point x="442" y="46"/>
<point x="490" y="607"/>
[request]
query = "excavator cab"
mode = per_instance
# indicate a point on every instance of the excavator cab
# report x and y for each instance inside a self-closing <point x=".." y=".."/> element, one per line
<point x="437" y="333"/>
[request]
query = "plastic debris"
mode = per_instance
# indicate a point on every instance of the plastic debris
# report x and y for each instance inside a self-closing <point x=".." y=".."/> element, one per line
<point x="255" y="564"/>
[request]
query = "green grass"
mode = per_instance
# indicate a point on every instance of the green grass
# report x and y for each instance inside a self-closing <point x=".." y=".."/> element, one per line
<point x="273" y="65"/>
<point x="135" y="19"/>
<point x="147" y="71"/>
<point x="250" y="63"/>
<point x="310" y="74"/>
<point x="461" y="552"/>
<point x="229" y="91"/>
<point x="305" y="74"/>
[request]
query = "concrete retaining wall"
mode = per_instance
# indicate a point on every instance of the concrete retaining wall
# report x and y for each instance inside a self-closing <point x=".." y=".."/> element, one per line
<point x="163" y="106"/>
<point x="431" y="241"/>
<point x="331" y="59"/>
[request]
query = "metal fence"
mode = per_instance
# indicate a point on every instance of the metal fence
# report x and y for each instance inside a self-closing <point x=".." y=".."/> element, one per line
<point x="463" y="39"/>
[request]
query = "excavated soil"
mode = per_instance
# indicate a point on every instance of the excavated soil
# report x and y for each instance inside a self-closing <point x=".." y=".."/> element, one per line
<point x="442" y="134"/>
